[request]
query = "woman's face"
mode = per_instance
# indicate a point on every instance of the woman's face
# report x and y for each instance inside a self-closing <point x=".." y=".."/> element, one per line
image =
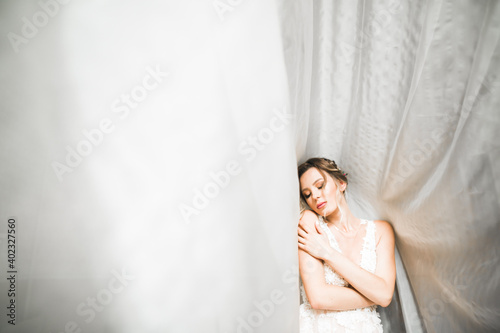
<point x="321" y="196"/>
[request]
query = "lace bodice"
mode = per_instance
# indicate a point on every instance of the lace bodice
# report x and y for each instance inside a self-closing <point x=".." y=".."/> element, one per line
<point x="358" y="320"/>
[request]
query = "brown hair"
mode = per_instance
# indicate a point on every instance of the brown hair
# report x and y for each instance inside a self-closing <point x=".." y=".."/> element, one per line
<point x="322" y="165"/>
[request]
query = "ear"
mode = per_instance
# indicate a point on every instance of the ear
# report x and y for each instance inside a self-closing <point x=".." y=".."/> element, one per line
<point x="343" y="186"/>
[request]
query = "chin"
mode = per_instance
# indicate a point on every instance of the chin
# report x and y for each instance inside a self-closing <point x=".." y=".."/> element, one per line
<point x="320" y="212"/>
<point x="327" y="211"/>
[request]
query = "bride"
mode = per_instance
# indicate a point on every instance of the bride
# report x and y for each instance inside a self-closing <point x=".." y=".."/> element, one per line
<point x="346" y="264"/>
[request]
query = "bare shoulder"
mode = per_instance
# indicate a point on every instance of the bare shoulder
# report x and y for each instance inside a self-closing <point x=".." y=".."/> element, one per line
<point x="383" y="226"/>
<point x="384" y="230"/>
<point x="308" y="218"/>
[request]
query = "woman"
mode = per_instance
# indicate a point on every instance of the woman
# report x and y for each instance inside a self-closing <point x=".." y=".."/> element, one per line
<point x="346" y="264"/>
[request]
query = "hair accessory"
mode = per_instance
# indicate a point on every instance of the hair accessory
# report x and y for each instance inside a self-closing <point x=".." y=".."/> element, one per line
<point x="336" y="168"/>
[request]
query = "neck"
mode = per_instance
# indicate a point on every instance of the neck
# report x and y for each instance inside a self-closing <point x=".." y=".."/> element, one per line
<point x="346" y="221"/>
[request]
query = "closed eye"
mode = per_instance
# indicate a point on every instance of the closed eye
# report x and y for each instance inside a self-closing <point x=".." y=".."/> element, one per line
<point x="319" y="188"/>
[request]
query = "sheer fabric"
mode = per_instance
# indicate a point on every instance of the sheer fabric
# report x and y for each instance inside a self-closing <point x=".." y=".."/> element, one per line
<point x="149" y="154"/>
<point x="405" y="97"/>
<point x="187" y="193"/>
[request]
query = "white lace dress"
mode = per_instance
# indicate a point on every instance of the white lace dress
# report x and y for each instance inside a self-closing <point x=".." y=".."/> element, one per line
<point x="363" y="320"/>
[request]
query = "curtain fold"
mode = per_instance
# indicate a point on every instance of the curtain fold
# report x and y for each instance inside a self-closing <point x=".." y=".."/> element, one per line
<point x="149" y="155"/>
<point x="404" y="96"/>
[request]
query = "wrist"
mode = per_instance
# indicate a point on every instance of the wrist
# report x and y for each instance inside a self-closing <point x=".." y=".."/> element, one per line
<point x="329" y="255"/>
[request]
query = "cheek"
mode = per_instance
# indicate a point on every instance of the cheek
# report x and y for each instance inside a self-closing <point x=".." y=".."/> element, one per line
<point x="327" y="190"/>
<point x="330" y="192"/>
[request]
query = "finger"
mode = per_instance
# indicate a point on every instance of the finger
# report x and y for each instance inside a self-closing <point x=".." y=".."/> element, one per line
<point x="302" y="240"/>
<point x="318" y="228"/>
<point x="302" y="233"/>
<point x="301" y="226"/>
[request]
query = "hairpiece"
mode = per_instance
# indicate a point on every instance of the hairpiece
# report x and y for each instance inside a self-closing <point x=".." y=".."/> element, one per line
<point x="336" y="168"/>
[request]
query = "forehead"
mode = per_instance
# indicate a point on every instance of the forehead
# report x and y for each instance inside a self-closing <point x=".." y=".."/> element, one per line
<point x="309" y="177"/>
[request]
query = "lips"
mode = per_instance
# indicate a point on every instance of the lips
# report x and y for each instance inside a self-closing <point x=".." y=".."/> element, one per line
<point x="321" y="205"/>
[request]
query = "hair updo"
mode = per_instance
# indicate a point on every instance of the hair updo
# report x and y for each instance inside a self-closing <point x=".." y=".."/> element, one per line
<point x="323" y="165"/>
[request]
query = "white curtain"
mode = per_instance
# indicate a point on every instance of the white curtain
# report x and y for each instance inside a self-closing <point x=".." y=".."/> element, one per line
<point x="149" y="165"/>
<point x="149" y="154"/>
<point x="405" y="96"/>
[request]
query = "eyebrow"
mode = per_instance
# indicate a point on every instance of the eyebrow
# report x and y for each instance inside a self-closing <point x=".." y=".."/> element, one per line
<point x="313" y="184"/>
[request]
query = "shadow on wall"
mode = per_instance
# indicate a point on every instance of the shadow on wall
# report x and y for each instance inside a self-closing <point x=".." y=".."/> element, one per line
<point x="402" y="315"/>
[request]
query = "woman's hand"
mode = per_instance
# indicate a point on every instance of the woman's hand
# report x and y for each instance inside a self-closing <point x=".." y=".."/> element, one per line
<point x="314" y="241"/>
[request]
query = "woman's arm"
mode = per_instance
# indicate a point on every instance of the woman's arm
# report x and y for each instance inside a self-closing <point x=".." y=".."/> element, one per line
<point x="378" y="287"/>
<point x="320" y="294"/>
